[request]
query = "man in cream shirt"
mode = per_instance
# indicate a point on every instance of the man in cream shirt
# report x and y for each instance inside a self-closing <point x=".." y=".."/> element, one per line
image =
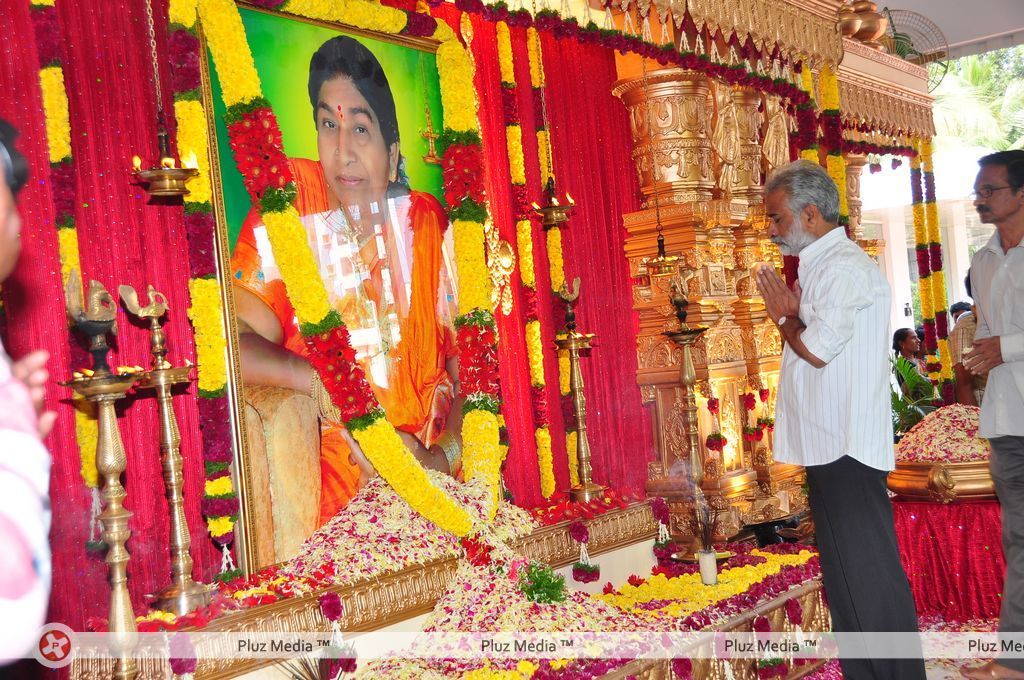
<point x="832" y="414"/>
<point x="997" y="282"/>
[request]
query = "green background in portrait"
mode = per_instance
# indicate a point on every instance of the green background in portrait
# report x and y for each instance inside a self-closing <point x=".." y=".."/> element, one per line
<point x="281" y="48"/>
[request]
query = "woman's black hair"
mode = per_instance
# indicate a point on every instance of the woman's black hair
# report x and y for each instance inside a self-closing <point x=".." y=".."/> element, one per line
<point x="12" y="164"/>
<point x="899" y="337"/>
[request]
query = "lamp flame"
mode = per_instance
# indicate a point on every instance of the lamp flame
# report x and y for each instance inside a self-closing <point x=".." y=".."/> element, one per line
<point x="136" y="163"/>
<point x="190" y="161"/>
<point x="166" y="162"/>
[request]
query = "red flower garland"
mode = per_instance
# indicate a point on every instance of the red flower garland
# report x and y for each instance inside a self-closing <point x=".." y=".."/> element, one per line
<point x="256" y="141"/>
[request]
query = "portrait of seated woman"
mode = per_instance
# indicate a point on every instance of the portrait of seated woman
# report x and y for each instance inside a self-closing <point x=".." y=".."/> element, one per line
<point x="384" y="254"/>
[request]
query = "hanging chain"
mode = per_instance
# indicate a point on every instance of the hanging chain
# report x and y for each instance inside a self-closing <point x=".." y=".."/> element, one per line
<point x="152" y="54"/>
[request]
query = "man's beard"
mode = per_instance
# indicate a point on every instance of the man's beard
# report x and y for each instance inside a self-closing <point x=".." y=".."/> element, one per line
<point x="797" y="240"/>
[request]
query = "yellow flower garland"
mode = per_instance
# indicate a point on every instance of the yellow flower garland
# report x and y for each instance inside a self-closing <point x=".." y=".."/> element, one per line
<point x="458" y="100"/>
<point x="88" y="434"/>
<point x="524" y="243"/>
<point x="480" y="434"/>
<point x="516" y="162"/>
<point x="836" y="167"/>
<point x="545" y="461"/>
<point x="218" y="487"/>
<point x="55" y="106"/>
<point x="222" y="26"/>
<point x="535" y="350"/>
<point x="67" y="247"/>
<point x="564" y="372"/>
<point x="207" y="320"/>
<point x="43" y="3"/>
<point x="219" y="526"/>
<point x="182" y="12"/>
<point x="574" y="463"/>
<point x="291" y="251"/>
<point x="396" y="464"/>
<point x="556" y="263"/>
<point x="505" y="67"/>
<point x="192" y="141"/>
<point x="543" y="150"/>
<point x="359" y="13"/>
<point x="471" y="264"/>
<point x="829" y="85"/>
<point x="688" y="594"/>
<point x="534" y="53"/>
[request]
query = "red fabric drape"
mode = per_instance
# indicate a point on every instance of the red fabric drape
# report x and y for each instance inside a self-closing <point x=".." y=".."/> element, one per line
<point x="592" y="162"/>
<point x="591" y="140"/>
<point x="953" y="557"/>
<point x="522" y="477"/>
<point x="123" y="239"/>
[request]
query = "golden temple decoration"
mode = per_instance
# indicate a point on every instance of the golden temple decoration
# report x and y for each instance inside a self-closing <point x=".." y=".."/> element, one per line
<point x="887" y="108"/>
<point x="678" y="137"/>
<point x="794" y="27"/>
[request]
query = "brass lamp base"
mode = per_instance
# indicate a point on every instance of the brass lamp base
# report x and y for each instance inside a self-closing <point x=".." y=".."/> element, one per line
<point x="182" y="598"/>
<point x="586" y="492"/>
<point x="167" y="181"/>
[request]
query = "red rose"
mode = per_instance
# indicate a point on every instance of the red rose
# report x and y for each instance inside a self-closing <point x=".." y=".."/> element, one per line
<point x="749" y="401"/>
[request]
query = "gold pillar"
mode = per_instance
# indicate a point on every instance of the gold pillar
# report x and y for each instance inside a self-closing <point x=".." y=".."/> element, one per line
<point x="854" y="165"/>
<point x="668" y="118"/>
<point x="747" y="175"/>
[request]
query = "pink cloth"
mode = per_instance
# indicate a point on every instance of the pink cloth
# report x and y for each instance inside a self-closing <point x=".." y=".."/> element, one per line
<point x="24" y="517"/>
<point x="17" y="412"/>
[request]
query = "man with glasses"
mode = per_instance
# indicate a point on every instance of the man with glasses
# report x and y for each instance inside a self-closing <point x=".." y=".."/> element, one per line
<point x="997" y="282"/>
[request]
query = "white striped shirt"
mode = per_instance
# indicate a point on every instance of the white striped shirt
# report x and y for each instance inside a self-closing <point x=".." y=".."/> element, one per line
<point x="997" y="281"/>
<point x="841" y="409"/>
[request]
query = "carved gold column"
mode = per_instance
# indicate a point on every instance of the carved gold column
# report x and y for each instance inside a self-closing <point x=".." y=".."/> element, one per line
<point x="747" y="184"/>
<point x="854" y="166"/>
<point x="676" y="103"/>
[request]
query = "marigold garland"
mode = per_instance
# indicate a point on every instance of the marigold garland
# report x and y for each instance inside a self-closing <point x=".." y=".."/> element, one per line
<point x="526" y="255"/>
<point x="207" y="319"/>
<point x="937" y="331"/>
<point x="330" y="350"/>
<point x="55" y="106"/>
<point x="805" y="140"/>
<point x="833" y="137"/>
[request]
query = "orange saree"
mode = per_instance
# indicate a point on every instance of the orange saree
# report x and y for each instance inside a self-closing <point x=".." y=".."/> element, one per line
<point x="419" y="391"/>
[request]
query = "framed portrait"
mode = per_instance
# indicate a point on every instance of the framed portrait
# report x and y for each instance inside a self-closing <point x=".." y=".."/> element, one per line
<point x="358" y="115"/>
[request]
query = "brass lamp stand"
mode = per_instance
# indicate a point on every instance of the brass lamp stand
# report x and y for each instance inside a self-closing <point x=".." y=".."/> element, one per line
<point x="685" y="337"/>
<point x="183" y="594"/>
<point x="574" y="342"/>
<point x="96" y="318"/>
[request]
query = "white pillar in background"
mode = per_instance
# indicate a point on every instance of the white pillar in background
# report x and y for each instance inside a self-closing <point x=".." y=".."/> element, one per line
<point x="959" y="261"/>
<point x="895" y="265"/>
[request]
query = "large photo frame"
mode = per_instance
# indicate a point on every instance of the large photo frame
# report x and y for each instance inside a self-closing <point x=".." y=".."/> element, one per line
<point x="367" y="172"/>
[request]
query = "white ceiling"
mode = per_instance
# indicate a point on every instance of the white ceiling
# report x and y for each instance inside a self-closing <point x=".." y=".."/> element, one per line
<point x="972" y="26"/>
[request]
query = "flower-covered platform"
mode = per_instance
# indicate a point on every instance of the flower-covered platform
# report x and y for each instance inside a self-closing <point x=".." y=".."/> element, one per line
<point x="385" y="563"/>
<point x="942" y="459"/>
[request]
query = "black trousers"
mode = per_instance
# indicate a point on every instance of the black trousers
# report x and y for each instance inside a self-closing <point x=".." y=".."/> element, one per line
<point x="866" y="587"/>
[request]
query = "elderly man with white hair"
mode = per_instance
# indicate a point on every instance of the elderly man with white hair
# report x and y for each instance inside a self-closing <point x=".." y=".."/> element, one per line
<point x="833" y="412"/>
